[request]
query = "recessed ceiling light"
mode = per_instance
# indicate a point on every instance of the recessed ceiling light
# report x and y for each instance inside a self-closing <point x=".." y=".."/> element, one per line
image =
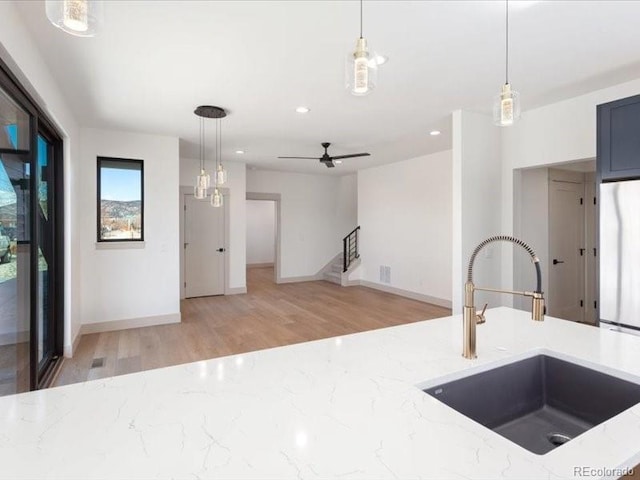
<point x="435" y="132"/>
<point x="302" y="109"/>
<point x="337" y="162"/>
<point x="240" y="152"/>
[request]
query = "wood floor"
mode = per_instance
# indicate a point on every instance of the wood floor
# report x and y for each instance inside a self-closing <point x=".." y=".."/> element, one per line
<point x="269" y="315"/>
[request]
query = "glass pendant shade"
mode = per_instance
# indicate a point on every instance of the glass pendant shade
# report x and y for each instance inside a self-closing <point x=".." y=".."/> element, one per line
<point x="506" y="107"/>
<point x="221" y="175"/>
<point x="82" y="18"/>
<point x="361" y="69"/>
<point x="203" y="182"/>
<point x="199" y="192"/>
<point x="216" y="198"/>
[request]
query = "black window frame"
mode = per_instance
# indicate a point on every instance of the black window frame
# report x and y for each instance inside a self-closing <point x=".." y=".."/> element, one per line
<point x="136" y="161"/>
<point x="41" y="374"/>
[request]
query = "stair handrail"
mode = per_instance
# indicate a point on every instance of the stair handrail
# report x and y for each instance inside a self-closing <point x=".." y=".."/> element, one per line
<point x="350" y="248"/>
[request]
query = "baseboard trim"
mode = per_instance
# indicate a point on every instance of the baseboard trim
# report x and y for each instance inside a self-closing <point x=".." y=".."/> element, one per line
<point x="126" y="324"/>
<point x="259" y="265"/>
<point x="69" y="349"/>
<point x="441" y="302"/>
<point x="305" y="278"/>
<point x="236" y="291"/>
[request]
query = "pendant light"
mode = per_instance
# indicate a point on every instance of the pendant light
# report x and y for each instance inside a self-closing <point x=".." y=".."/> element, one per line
<point x="216" y="196"/>
<point x="506" y="105"/>
<point x="221" y="173"/>
<point x="203" y="180"/>
<point x="361" y="66"/>
<point x="82" y="18"/>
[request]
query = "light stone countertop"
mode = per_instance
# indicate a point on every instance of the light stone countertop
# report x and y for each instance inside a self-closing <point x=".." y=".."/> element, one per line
<point x="345" y="408"/>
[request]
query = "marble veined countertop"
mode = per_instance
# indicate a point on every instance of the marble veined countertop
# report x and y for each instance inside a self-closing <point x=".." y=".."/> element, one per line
<point x="341" y="408"/>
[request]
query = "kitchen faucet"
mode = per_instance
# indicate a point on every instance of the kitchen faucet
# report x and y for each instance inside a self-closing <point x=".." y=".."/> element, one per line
<point x="471" y="318"/>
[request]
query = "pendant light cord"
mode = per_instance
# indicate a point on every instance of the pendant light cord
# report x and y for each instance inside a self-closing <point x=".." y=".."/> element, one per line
<point x="360" y="18"/>
<point x="217" y="131"/>
<point x="506" y="73"/>
<point x="201" y="144"/>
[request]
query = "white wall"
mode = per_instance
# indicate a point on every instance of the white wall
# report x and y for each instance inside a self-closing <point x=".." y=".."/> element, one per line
<point x="532" y="226"/>
<point x="131" y="283"/>
<point x="20" y="53"/>
<point x="236" y="183"/>
<point x="476" y="203"/>
<point x="404" y="210"/>
<point x="348" y="201"/>
<point x="261" y="232"/>
<point x="314" y="211"/>
<point x="559" y="132"/>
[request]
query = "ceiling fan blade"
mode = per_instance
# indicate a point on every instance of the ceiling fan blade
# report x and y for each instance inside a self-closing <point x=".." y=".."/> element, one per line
<point x="304" y="158"/>
<point x="329" y="164"/>
<point x="353" y="155"/>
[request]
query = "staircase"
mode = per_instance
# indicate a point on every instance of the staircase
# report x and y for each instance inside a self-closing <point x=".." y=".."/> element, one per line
<point x="344" y="264"/>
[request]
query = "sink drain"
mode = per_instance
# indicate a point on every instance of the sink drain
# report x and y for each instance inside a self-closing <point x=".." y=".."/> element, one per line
<point x="557" y="439"/>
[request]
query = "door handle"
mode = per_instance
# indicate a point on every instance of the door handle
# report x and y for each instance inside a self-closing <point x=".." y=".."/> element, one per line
<point x="220" y="250"/>
<point x="556" y="261"/>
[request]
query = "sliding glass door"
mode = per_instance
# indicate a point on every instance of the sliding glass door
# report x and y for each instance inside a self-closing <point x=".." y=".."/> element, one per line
<point x="31" y="275"/>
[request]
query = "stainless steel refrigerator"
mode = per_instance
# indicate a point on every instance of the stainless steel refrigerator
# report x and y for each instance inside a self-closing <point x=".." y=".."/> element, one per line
<point x="619" y="254"/>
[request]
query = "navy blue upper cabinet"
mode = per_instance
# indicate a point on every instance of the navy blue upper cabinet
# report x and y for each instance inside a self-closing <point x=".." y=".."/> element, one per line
<point x="619" y="139"/>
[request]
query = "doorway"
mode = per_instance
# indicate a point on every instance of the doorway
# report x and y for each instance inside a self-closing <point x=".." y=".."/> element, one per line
<point x="556" y="214"/>
<point x="204" y="254"/>
<point x="261" y="233"/>
<point x="263" y="236"/>
<point x="567" y="238"/>
<point x="31" y="242"/>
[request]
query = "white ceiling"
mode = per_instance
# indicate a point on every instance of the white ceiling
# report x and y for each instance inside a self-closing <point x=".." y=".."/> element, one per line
<point x="155" y="61"/>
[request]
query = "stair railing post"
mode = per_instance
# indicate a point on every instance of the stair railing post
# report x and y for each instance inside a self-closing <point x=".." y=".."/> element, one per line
<point x="344" y="254"/>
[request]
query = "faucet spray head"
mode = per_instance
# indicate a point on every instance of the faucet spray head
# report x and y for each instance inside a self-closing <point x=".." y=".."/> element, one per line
<point x="537" y="307"/>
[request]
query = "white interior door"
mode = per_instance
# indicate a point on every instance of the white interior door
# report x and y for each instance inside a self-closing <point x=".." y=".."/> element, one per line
<point x="566" y="250"/>
<point x="204" y="248"/>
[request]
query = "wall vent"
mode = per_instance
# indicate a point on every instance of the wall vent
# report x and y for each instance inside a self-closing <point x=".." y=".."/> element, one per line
<point x="97" y="362"/>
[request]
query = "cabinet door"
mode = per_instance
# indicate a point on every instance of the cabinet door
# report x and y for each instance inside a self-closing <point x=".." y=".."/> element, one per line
<point x="619" y="139"/>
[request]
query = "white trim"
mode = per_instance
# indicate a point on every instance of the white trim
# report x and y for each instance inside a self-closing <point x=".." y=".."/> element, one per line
<point x="119" y="245"/>
<point x="306" y="278"/>
<point x="260" y="265"/>
<point x="69" y="349"/>
<point x="126" y="324"/>
<point x="273" y="197"/>
<point x="236" y="291"/>
<point x="441" y="302"/>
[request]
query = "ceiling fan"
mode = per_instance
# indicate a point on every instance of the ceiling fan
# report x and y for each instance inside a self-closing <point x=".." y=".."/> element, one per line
<point x="328" y="159"/>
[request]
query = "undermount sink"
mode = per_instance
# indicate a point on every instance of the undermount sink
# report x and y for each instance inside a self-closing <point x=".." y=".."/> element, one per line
<point x="539" y="403"/>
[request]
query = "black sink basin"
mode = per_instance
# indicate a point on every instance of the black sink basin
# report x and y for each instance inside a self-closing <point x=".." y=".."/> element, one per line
<point x="539" y="403"/>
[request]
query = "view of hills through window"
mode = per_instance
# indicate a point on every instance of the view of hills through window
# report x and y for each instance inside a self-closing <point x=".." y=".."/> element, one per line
<point x="120" y="199"/>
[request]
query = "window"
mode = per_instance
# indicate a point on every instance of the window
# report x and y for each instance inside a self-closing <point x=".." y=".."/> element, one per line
<point x="120" y="200"/>
<point x="31" y="241"/>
